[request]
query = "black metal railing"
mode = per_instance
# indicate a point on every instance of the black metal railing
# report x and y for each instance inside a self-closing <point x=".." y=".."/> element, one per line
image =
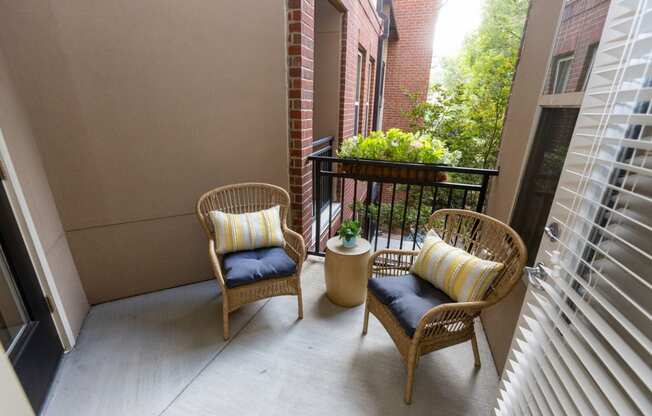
<point x="323" y="147"/>
<point x="392" y="211"/>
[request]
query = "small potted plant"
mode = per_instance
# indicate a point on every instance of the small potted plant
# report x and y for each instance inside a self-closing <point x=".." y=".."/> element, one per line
<point x="349" y="232"/>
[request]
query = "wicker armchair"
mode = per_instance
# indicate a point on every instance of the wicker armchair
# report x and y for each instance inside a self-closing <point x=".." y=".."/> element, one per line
<point x="238" y="199"/>
<point x="449" y="323"/>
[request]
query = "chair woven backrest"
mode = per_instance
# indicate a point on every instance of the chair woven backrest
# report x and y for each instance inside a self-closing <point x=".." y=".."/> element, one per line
<point x="487" y="238"/>
<point x="241" y="198"/>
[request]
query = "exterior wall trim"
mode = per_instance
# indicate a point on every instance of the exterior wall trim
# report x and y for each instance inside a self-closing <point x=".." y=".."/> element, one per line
<point x="571" y="99"/>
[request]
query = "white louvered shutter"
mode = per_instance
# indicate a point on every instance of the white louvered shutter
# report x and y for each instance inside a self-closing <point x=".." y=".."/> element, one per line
<point x="582" y="343"/>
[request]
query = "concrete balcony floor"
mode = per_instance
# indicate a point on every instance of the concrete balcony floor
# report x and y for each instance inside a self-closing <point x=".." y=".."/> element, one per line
<point x="163" y="354"/>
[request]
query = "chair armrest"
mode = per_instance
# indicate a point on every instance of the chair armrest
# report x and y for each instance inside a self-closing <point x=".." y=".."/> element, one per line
<point x="390" y="262"/>
<point x="447" y="317"/>
<point x="295" y="246"/>
<point x="215" y="263"/>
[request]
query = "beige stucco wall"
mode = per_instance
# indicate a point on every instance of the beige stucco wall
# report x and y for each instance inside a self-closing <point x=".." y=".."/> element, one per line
<point x="48" y="247"/>
<point x="518" y="132"/>
<point x="138" y="108"/>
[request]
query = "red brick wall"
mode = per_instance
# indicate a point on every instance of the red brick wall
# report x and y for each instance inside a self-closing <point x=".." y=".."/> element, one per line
<point x="300" y="93"/>
<point x="409" y="58"/>
<point x="580" y="27"/>
<point x="360" y="30"/>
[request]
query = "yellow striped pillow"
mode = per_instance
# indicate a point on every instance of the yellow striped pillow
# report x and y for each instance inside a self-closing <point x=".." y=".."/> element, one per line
<point x="237" y="232"/>
<point x="462" y="276"/>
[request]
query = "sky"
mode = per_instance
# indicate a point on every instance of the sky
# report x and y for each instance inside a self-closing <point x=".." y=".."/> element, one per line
<point x="456" y="19"/>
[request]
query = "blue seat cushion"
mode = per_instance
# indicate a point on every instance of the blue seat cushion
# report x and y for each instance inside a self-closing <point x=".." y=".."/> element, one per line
<point x="408" y="297"/>
<point x="244" y="267"/>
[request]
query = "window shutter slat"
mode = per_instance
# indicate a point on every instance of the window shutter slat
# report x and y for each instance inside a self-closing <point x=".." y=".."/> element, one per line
<point x="543" y="378"/>
<point x="619" y="345"/>
<point x="585" y="355"/>
<point x="565" y="368"/>
<point x="533" y="395"/>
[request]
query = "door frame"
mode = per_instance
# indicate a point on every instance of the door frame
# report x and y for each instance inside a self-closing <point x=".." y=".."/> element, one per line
<point x="33" y="244"/>
<point x="37" y="351"/>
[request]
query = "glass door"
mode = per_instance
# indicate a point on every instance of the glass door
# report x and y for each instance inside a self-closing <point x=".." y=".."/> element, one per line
<point x="542" y="174"/>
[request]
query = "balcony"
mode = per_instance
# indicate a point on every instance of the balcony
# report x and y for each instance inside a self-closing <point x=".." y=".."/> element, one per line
<point x="163" y="354"/>
<point x="116" y="116"/>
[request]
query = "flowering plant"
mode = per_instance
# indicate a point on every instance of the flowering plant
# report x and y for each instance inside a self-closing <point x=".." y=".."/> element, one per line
<point x="399" y="146"/>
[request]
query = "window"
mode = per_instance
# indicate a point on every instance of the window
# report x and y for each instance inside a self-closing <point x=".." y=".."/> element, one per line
<point x="367" y="107"/>
<point x="379" y="117"/>
<point x="356" y="105"/>
<point x="588" y="65"/>
<point x="562" y="73"/>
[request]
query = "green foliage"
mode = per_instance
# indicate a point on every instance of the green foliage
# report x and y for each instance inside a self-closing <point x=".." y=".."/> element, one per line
<point x="349" y="229"/>
<point x="396" y="218"/>
<point x="466" y="111"/>
<point x="397" y="145"/>
<point x="391" y="215"/>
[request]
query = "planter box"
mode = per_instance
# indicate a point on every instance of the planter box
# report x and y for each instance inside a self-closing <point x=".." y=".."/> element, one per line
<point x="398" y="171"/>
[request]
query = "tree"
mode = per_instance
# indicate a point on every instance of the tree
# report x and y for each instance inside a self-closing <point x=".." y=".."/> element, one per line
<point x="467" y="109"/>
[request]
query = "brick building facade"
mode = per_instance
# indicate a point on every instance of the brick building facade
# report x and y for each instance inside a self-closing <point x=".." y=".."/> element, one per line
<point x="365" y="26"/>
<point x="409" y="58"/>
<point x="577" y="40"/>
<point x="361" y="26"/>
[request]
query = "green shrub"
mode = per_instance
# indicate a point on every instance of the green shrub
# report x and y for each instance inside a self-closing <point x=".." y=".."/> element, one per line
<point x="394" y="215"/>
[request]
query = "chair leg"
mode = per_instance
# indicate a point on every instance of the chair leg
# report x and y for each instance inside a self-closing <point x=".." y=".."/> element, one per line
<point x="299" y="299"/>
<point x="411" y="366"/>
<point x="365" y="325"/>
<point x="476" y="353"/>
<point x="225" y="320"/>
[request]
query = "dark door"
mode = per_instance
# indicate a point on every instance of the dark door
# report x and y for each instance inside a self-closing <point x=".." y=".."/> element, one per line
<point x="27" y="331"/>
<point x="541" y="176"/>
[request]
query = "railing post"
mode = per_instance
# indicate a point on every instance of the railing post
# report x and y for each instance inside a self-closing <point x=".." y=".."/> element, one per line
<point x="367" y="201"/>
<point x="483" y="193"/>
<point x="316" y="181"/>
